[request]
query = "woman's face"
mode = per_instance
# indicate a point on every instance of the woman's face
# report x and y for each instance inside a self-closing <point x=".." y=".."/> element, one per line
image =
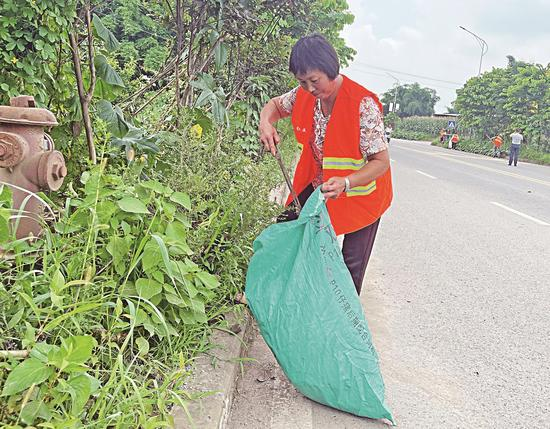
<point x="317" y="83"/>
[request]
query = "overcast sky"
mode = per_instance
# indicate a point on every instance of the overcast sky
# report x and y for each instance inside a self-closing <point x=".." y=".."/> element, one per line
<point x="422" y="37"/>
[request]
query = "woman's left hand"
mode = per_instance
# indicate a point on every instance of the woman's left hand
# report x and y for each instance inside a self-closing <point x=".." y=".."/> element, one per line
<point x="333" y="187"/>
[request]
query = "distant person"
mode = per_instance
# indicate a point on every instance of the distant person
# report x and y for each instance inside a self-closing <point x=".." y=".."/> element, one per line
<point x="387" y="133"/>
<point x="497" y="145"/>
<point x="442" y="135"/>
<point x="517" y="140"/>
<point x="453" y="142"/>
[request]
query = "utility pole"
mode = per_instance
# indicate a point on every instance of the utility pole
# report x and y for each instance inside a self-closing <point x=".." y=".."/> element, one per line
<point x="482" y="44"/>
<point x="394" y="108"/>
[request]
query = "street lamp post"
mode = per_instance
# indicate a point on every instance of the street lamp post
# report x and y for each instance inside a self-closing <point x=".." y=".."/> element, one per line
<point x="482" y="44"/>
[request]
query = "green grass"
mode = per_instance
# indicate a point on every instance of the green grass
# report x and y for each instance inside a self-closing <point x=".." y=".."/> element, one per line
<point x="124" y="288"/>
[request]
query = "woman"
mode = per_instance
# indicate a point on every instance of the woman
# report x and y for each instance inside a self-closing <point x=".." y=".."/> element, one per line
<point x="453" y="142"/>
<point x="340" y="127"/>
<point x="497" y="144"/>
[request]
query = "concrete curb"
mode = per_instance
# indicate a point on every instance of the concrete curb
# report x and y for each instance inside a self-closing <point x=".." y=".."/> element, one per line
<point x="216" y="371"/>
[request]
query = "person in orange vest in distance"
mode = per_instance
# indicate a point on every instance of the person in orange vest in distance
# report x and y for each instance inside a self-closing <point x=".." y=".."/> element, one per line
<point x="340" y="126"/>
<point x="497" y="144"/>
<point x="454" y="140"/>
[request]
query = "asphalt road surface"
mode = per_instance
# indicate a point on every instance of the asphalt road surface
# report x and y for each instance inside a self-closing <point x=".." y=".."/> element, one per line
<point x="457" y="295"/>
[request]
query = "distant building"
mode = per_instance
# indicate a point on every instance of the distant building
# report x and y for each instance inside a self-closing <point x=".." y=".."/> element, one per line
<point x="446" y="115"/>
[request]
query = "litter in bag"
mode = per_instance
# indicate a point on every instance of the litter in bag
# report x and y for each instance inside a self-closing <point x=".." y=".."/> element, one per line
<point x="304" y="301"/>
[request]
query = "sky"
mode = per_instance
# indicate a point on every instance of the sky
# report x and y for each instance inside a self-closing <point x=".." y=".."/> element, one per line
<point x="423" y="38"/>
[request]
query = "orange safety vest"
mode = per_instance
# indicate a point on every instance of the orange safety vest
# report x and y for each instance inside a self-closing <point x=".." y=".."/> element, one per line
<point x="497" y="142"/>
<point x="454" y="138"/>
<point x="362" y="205"/>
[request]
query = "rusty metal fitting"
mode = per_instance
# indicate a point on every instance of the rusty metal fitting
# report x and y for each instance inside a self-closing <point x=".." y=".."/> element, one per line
<point x="28" y="159"/>
<point x="13" y="149"/>
<point x="21" y="111"/>
<point x="51" y="170"/>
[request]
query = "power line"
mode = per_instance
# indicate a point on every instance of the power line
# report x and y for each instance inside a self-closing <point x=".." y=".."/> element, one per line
<point x="409" y="74"/>
<point x="404" y="80"/>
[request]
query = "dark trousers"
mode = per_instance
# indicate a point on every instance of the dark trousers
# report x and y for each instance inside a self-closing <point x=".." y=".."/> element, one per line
<point x="514" y="153"/>
<point x="357" y="246"/>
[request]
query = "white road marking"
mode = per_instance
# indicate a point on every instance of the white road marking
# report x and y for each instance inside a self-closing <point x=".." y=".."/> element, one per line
<point x="426" y="174"/>
<point x="540" y="222"/>
<point x="481" y="167"/>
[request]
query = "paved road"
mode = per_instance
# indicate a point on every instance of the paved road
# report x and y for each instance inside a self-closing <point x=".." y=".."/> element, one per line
<point x="457" y="295"/>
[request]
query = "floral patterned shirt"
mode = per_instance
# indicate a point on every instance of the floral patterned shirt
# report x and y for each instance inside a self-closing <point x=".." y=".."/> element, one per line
<point x="370" y="122"/>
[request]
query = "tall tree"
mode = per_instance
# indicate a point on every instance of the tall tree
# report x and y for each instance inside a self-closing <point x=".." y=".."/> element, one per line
<point x="503" y="99"/>
<point x="413" y="100"/>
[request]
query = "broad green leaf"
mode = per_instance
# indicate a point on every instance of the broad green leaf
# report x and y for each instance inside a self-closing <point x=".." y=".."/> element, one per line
<point x="16" y="318"/>
<point x="105" y="211"/>
<point x="182" y="199"/>
<point x="204" y="81"/>
<point x="147" y="288"/>
<point x="198" y="306"/>
<point x="118" y="126"/>
<point x="205" y="96"/>
<point x="111" y="42"/>
<point x="119" y="249"/>
<point x="151" y="257"/>
<point x="208" y="279"/>
<point x="104" y="91"/>
<point x="165" y="257"/>
<point x="191" y="289"/>
<point x="218" y="110"/>
<point x="30" y="371"/>
<point x="33" y="410"/>
<point x="132" y="205"/>
<point x="80" y="391"/>
<point x="41" y="351"/>
<point x="176" y="232"/>
<point x="220" y="55"/>
<point x="106" y="72"/>
<point x="174" y="299"/>
<point x="74" y="351"/>
<point x="4" y="229"/>
<point x="183" y="219"/>
<point x="58" y="281"/>
<point x="137" y="138"/>
<point x="142" y="345"/>
<point x="190" y="317"/>
<point x="156" y="186"/>
<point x="5" y="196"/>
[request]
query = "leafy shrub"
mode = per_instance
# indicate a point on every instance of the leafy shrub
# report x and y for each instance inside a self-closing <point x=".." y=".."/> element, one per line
<point x="419" y="128"/>
<point x="116" y="268"/>
<point x="231" y="198"/>
<point x="137" y="267"/>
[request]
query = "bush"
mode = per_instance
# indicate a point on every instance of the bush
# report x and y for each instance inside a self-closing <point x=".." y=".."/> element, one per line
<point x="124" y="286"/>
<point x="419" y="128"/>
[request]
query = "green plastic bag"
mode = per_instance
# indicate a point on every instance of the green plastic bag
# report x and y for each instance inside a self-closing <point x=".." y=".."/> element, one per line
<point x="304" y="300"/>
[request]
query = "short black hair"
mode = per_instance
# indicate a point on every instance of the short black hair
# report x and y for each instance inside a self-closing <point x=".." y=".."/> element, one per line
<point x="314" y="52"/>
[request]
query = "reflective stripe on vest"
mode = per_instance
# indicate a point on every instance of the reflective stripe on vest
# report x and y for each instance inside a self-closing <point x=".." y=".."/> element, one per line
<point x="362" y="190"/>
<point x="335" y="163"/>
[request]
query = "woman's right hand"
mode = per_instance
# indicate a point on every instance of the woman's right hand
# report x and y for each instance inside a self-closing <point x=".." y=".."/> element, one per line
<point x="269" y="136"/>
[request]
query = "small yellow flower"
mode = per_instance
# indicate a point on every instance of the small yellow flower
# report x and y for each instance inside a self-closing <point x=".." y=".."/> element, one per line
<point x="196" y="131"/>
<point x="14" y="60"/>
